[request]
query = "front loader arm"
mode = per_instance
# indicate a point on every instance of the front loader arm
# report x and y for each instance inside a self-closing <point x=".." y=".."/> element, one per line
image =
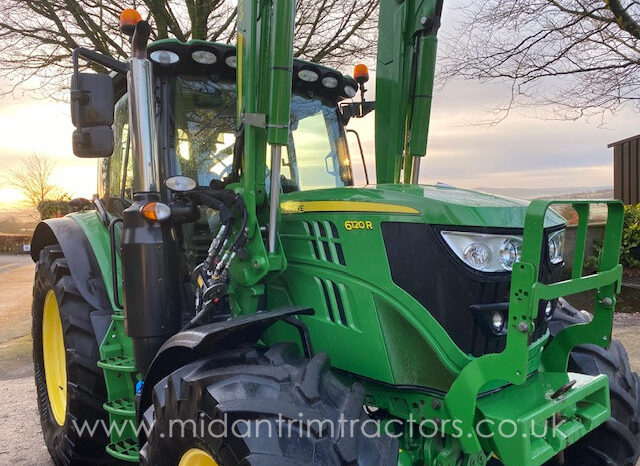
<point x="407" y="45"/>
<point x="264" y="73"/>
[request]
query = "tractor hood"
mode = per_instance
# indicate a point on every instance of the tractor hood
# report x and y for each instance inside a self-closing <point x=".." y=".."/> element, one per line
<point x="437" y="204"/>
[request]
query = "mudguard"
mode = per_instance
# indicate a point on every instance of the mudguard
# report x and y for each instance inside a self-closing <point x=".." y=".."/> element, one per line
<point x="83" y="265"/>
<point x="190" y="345"/>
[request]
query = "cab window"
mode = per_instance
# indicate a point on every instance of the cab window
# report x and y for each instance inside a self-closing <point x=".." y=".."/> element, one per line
<point x="204" y="126"/>
<point x="115" y="174"/>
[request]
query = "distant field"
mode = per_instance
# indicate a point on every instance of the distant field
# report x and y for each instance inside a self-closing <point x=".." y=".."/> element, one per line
<point x="578" y="192"/>
<point x="18" y="221"/>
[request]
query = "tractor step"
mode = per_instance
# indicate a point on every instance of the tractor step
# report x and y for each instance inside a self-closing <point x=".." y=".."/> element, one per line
<point x="120" y="376"/>
<point x="125" y="450"/>
<point x="123" y="407"/>
<point x="118" y="363"/>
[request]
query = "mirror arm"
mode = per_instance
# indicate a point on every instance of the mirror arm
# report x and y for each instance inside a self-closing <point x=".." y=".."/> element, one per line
<point x="140" y="39"/>
<point x="96" y="57"/>
<point x="350" y="110"/>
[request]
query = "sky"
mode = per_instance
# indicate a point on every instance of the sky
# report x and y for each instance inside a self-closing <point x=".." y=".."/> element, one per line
<point x="520" y="152"/>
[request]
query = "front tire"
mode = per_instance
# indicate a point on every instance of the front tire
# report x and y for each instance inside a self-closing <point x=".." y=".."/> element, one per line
<point x="253" y="387"/>
<point x="617" y="441"/>
<point x="69" y="385"/>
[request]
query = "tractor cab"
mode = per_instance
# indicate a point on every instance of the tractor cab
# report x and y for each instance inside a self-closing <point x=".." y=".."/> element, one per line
<point x="196" y="109"/>
<point x="196" y="102"/>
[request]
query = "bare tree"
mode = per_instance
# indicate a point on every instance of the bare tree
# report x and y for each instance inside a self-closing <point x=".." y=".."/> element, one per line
<point x="568" y="58"/>
<point x="37" y="36"/>
<point x="33" y="179"/>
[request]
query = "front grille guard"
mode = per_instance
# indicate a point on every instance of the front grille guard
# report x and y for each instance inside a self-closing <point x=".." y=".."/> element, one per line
<point x="515" y="363"/>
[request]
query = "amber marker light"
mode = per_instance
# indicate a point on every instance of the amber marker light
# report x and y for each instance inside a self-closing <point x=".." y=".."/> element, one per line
<point x="155" y="211"/>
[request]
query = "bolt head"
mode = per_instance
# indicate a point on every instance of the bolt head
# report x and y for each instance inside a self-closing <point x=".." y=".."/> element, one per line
<point x="607" y="302"/>
<point x="523" y="327"/>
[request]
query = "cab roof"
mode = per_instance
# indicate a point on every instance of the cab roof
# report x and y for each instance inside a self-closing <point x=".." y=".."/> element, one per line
<point x="329" y="83"/>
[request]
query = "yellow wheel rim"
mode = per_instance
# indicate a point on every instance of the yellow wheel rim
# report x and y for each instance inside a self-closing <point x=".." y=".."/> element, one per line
<point x="55" y="364"/>
<point x="197" y="457"/>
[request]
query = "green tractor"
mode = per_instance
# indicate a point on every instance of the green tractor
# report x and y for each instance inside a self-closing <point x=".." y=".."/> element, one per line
<point x="231" y="297"/>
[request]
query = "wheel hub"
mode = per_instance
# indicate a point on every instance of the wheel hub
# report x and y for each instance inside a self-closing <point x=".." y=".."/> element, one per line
<point x="197" y="457"/>
<point x="55" y="364"/>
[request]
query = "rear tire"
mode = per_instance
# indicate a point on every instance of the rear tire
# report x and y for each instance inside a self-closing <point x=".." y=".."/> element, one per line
<point x="253" y="387"/>
<point x="85" y="387"/>
<point x="616" y="442"/>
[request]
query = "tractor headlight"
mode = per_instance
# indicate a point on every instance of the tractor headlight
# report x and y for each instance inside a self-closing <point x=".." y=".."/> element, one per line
<point x="497" y="253"/>
<point x="350" y="91"/>
<point x="164" y="57"/>
<point x="485" y="252"/>
<point x="231" y="61"/>
<point x="204" y="57"/>
<point x="556" y="247"/>
<point x="308" y="75"/>
<point x="477" y="255"/>
<point x="510" y="252"/>
<point x="497" y="321"/>
<point x="330" y="82"/>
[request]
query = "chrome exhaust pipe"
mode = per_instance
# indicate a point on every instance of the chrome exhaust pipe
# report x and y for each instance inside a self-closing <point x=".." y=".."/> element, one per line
<point x="142" y="113"/>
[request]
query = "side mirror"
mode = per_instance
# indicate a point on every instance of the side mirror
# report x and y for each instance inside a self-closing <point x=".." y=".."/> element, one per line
<point x="92" y="108"/>
<point x="93" y="141"/>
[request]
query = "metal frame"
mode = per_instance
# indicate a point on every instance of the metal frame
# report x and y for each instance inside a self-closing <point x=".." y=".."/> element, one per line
<point x="514" y="365"/>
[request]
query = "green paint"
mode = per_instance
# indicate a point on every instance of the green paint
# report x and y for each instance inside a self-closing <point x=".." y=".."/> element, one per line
<point x="98" y="236"/>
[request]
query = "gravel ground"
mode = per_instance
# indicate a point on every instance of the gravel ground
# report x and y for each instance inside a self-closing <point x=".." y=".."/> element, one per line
<point x="20" y="435"/>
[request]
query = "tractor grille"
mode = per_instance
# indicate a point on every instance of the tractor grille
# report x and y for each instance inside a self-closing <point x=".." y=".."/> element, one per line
<point x="460" y="298"/>
<point x="324" y="239"/>
<point x="334" y="299"/>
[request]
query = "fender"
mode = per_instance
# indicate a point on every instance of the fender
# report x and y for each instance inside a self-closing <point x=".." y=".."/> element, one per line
<point x="83" y="265"/>
<point x="190" y="345"/>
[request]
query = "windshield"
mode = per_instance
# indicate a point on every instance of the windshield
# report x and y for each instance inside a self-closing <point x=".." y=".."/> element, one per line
<point x="204" y="125"/>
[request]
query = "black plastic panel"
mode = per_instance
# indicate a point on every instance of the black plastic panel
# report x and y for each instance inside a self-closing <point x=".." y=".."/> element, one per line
<point x="423" y="265"/>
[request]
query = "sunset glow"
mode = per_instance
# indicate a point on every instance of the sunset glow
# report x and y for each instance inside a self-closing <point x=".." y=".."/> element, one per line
<point x="43" y="127"/>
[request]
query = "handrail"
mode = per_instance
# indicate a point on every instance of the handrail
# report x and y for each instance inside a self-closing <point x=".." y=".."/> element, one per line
<point x="115" y="250"/>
